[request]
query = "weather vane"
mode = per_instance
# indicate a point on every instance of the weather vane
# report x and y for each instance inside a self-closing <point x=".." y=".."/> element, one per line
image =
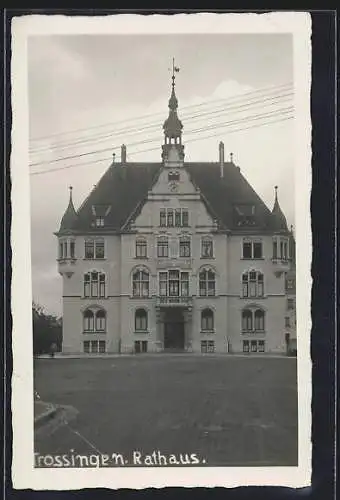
<point x="174" y="69"/>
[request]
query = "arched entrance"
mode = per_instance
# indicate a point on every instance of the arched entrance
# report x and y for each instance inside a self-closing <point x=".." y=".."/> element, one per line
<point x="174" y="329"/>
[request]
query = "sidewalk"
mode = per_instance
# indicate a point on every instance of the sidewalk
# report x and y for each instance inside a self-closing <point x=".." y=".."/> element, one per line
<point x="165" y="354"/>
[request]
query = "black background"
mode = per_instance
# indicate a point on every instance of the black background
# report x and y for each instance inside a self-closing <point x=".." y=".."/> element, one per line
<point x="323" y="108"/>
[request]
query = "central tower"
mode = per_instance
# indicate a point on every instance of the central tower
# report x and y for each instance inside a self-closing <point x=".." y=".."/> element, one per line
<point x="172" y="149"/>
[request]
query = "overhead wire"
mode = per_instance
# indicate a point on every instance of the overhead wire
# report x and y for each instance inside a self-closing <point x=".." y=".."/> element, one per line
<point x="284" y="118"/>
<point x="141" y="117"/>
<point x="263" y="102"/>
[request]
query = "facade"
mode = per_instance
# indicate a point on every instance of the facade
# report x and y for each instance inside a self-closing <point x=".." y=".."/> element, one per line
<point x="174" y="256"/>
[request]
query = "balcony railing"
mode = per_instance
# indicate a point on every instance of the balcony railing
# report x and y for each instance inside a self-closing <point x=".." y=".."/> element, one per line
<point x="174" y="301"/>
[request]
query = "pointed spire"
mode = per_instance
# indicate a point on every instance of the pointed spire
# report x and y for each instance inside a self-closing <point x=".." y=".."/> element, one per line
<point x="280" y="219"/>
<point x="173" y="125"/>
<point x="70" y="214"/>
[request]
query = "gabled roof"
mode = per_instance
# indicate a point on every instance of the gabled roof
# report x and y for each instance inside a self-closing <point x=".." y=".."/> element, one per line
<point x="124" y="188"/>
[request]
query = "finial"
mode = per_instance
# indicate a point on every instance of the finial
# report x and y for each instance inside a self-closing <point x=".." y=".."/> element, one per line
<point x="231" y="157"/>
<point x="276" y="188"/>
<point x="113" y="156"/>
<point x="175" y="69"/>
<point x="70" y="188"/>
<point x="291" y="228"/>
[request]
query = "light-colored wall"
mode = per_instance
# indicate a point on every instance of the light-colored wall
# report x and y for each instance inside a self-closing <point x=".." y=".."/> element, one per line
<point x="120" y="262"/>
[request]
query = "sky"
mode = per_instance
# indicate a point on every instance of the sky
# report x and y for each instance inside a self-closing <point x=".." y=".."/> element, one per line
<point x="88" y="94"/>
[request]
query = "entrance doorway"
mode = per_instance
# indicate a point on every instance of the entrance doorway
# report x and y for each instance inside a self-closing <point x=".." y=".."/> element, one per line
<point x="174" y="330"/>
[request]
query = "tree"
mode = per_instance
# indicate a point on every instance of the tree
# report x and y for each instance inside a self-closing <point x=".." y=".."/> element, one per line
<point x="47" y="330"/>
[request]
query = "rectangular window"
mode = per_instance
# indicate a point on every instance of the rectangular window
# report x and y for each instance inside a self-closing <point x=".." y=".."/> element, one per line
<point x="204" y="346"/>
<point x="287" y="322"/>
<point x="257" y="250"/>
<point x="86" y="345"/>
<point x="61" y="250"/>
<point x="290" y="304"/>
<point x="246" y="346"/>
<point x="65" y="250"/>
<point x="185" y="218"/>
<point x="141" y="322"/>
<point x="102" y="285"/>
<point x="184" y="284"/>
<point x="247" y="250"/>
<point x="141" y="346"/>
<point x="141" y="249"/>
<point x="174" y="283"/>
<point x="207" y="249"/>
<point x="102" y="346"/>
<point x="162" y="218"/>
<point x="252" y="250"/>
<point x="72" y="249"/>
<point x="99" y="221"/>
<point x="99" y="245"/>
<point x="274" y="249"/>
<point x="253" y="346"/>
<point x="178" y="217"/>
<point x="89" y="249"/>
<point x="260" y="346"/>
<point x="170" y="215"/>
<point x="162" y="248"/>
<point x="184" y="248"/>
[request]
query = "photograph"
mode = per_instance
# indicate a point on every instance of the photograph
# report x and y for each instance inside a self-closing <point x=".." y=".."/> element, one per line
<point x="169" y="294"/>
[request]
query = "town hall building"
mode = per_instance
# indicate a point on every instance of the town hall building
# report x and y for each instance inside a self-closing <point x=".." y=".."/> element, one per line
<point x="176" y="256"/>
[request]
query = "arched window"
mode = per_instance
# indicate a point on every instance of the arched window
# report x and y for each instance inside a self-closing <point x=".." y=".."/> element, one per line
<point x="141" y="320"/>
<point x="247" y="320"/>
<point x="259" y="320"/>
<point x="94" y="321"/>
<point x="140" y="284"/>
<point x="184" y="247"/>
<point x="206" y="283"/>
<point x="252" y="284"/>
<point x="253" y="320"/>
<point x="94" y="284"/>
<point x="101" y="320"/>
<point x="207" y="320"/>
<point x="207" y="250"/>
<point x="88" y="324"/>
<point x="141" y="248"/>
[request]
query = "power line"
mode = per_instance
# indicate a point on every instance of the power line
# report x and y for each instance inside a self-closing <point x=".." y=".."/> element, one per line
<point x="141" y="117"/>
<point x="156" y="148"/>
<point x="145" y="141"/>
<point x="267" y="101"/>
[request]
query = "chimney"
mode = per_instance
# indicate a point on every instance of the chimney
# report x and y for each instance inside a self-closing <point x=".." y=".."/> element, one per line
<point x="123" y="154"/>
<point x="221" y="151"/>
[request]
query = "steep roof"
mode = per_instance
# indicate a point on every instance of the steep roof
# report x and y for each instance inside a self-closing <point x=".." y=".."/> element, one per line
<point x="124" y="187"/>
<point x="70" y="216"/>
<point x="278" y="215"/>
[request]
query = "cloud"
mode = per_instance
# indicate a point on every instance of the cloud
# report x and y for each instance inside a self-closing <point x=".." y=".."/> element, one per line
<point x="79" y="82"/>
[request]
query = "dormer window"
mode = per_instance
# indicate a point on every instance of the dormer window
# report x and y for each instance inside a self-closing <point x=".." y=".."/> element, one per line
<point x="173" y="176"/>
<point x="99" y="221"/>
<point x="244" y="214"/>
